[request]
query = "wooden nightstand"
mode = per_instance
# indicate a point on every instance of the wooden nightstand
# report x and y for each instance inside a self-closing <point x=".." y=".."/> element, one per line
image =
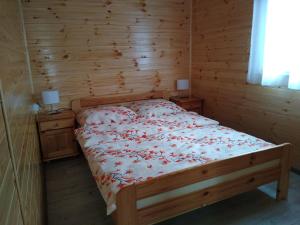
<point x="189" y="103"/>
<point x="57" y="135"/>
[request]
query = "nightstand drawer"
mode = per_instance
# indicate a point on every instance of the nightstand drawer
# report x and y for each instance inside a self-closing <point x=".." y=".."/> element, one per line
<point x="57" y="124"/>
<point x="190" y="105"/>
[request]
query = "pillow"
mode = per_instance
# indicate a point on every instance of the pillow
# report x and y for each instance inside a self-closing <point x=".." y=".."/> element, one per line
<point x="155" y="108"/>
<point x="105" y="115"/>
<point x="188" y="120"/>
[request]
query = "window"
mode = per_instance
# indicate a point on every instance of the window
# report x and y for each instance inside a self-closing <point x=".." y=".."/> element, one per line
<point x="275" y="44"/>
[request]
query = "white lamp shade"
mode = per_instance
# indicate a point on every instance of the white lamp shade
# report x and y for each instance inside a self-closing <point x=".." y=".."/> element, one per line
<point x="50" y="97"/>
<point x="183" y="84"/>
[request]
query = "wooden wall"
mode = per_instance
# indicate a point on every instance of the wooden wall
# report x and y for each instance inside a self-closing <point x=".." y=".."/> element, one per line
<point x="104" y="47"/>
<point x="221" y="40"/>
<point x="20" y="173"/>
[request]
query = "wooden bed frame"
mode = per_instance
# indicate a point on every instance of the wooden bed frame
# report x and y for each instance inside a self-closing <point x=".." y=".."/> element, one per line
<point x="127" y="212"/>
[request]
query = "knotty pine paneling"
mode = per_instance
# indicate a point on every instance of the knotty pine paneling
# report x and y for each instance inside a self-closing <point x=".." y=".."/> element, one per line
<point x="105" y="47"/>
<point x="23" y="164"/>
<point x="221" y="41"/>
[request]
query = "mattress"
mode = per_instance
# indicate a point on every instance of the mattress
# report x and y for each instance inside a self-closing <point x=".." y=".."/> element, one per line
<point x="132" y="152"/>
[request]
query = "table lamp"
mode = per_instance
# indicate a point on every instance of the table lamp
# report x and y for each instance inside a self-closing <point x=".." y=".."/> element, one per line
<point x="183" y="85"/>
<point x="51" y="97"/>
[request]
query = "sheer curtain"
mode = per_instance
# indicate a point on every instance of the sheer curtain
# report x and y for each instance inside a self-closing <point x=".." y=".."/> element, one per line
<point x="275" y="44"/>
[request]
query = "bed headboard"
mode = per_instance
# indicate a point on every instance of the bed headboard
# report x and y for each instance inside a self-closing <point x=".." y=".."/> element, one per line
<point x="87" y="102"/>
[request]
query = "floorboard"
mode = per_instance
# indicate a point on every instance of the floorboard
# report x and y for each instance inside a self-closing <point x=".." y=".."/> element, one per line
<point x="73" y="199"/>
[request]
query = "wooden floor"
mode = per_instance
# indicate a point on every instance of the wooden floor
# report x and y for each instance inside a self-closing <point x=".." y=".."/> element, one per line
<point x="73" y="199"/>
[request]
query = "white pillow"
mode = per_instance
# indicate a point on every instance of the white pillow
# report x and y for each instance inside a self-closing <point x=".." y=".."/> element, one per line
<point x="105" y="115"/>
<point x="155" y="108"/>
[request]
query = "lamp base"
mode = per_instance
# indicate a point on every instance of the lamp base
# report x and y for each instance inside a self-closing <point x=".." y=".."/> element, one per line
<point x="183" y="94"/>
<point x="53" y="110"/>
<point x="56" y="111"/>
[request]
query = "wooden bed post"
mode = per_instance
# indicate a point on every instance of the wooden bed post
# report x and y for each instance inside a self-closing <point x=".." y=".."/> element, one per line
<point x="126" y="206"/>
<point x="285" y="164"/>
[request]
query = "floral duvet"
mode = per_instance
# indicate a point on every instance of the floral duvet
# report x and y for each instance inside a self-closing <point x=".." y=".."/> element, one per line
<point x="130" y="152"/>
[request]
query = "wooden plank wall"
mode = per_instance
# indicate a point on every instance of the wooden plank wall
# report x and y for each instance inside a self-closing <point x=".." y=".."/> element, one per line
<point x="21" y="167"/>
<point x="221" y="40"/>
<point x="104" y="47"/>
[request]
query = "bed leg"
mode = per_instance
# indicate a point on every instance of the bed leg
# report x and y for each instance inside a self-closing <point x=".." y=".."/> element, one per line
<point x="126" y="206"/>
<point x="283" y="182"/>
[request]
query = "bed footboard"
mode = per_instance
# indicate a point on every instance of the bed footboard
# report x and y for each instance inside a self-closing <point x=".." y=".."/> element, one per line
<point x="285" y="167"/>
<point x="128" y="214"/>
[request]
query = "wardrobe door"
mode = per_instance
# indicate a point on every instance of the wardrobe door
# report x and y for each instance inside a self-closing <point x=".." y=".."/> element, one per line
<point x="10" y="213"/>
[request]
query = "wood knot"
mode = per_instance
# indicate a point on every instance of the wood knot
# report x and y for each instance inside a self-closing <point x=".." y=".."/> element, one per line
<point x="107" y="3"/>
<point x="251" y="180"/>
<point x="135" y="63"/>
<point x="157" y="80"/>
<point x="204" y="172"/>
<point x="252" y="159"/>
<point x="121" y="80"/>
<point x="118" y="53"/>
<point x="162" y="53"/>
<point x="206" y="193"/>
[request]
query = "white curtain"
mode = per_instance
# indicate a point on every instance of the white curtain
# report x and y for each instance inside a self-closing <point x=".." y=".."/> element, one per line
<point x="255" y="69"/>
<point x="275" y="44"/>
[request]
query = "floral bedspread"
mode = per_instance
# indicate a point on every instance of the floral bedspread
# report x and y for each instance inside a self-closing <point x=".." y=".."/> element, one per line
<point x="127" y="153"/>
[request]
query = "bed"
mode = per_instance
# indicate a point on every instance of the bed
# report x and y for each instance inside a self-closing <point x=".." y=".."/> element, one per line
<point x="174" y="164"/>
